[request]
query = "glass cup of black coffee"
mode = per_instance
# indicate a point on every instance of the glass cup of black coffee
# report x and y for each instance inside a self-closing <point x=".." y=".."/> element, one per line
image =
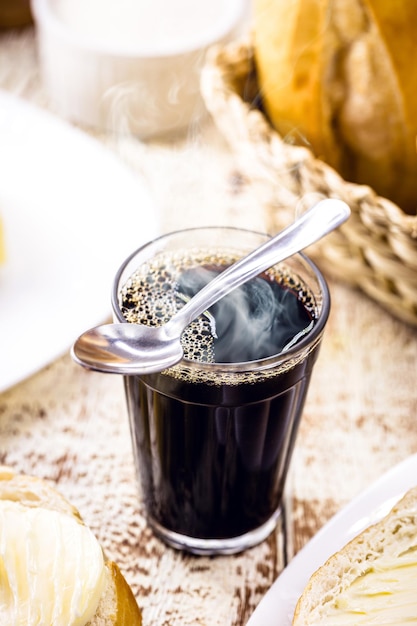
<point x="213" y="436"/>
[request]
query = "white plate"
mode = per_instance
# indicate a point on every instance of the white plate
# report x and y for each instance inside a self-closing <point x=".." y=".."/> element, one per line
<point x="72" y="211"/>
<point x="277" y="606"/>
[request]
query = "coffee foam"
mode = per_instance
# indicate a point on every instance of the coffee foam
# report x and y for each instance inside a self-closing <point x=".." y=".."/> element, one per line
<point x="151" y="296"/>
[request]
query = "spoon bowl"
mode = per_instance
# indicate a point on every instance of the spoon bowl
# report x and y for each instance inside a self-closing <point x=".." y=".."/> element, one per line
<point x="136" y="349"/>
<point x="125" y="349"/>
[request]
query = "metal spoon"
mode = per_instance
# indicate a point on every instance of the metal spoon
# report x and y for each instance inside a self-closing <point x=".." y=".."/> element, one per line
<point x="126" y="348"/>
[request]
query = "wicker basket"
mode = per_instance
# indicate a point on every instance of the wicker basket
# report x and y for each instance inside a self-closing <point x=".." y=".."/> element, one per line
<point x="376" y="250"/>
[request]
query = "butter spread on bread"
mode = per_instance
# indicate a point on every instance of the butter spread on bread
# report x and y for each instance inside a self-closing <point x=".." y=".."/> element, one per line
<point x="372" y="580"/>
<point x="53" y="571"/>
<point x="385" y="594"/>
<point x="52" y="567"/>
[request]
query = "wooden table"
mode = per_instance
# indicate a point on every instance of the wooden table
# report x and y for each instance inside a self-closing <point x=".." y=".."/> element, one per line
<point x="70" y="425"/>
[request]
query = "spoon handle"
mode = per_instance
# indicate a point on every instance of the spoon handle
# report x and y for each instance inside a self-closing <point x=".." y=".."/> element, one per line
<point x="318" y="221"/>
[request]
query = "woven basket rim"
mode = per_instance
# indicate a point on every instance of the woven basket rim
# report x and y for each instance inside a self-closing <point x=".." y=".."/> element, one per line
<point x="377" y="223"/>
<point x="219" y="63"/>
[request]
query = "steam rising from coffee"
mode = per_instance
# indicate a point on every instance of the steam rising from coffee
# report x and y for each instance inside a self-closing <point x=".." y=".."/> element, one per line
<point x="261" y="318"/>
<point x="257" y="320"/>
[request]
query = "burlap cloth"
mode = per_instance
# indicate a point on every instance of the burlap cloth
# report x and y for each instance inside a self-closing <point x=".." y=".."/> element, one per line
<point x="70" y="425"/>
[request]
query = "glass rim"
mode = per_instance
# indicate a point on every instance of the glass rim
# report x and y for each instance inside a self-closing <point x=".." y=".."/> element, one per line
<point x="306" y="344"/>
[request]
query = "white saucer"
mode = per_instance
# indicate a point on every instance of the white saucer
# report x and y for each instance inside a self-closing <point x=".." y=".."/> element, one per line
<point x="72" y="211"/>
<point x="277" y="606"/>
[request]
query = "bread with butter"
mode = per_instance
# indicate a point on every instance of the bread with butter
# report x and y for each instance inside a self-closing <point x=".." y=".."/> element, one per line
<point x="372" y="580"/>
<point x="53" y="571"/>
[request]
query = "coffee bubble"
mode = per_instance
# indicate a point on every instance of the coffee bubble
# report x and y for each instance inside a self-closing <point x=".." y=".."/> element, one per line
<point x="259" y="319"/>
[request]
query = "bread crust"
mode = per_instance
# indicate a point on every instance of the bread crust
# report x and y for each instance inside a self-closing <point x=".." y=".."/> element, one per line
<point x="33" y="492"/>
<point x="292" y="58"/>
<point x="395" y="533"/>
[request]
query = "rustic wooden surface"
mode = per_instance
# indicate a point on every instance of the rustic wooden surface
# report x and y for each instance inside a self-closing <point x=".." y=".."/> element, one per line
<point x="70" y="426"/>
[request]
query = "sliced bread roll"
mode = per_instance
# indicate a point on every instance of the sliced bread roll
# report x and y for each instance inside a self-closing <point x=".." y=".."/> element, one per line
<point x="372" y="580"/>
<point x="52" y="569"/>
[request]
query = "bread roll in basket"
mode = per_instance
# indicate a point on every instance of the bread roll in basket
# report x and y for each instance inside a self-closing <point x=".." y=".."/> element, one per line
<point x="321" y="100"/>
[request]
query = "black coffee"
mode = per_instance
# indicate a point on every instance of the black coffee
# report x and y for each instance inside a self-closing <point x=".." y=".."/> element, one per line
<point x="259" y="319"/>
<point x="214" y="446"/>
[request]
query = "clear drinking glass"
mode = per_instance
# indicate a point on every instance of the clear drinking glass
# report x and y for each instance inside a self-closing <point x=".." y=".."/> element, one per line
<point x="213" y="436"/>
